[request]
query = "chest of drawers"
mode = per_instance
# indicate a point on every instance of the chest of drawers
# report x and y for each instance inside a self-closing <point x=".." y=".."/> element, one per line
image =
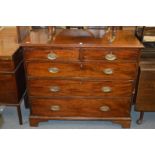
<point x="81" y="83"/>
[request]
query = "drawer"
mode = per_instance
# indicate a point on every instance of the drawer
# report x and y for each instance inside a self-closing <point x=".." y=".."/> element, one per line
<point x="85" y="70"/>
<point x="51" y="88"/>
<point x="52" y="54"/>
<point x="110" y="54"/>
<point x="6" y="66"/>
<point x="81" y="107"/>
<point x="11" y="65"/>
<point x="8" y="90"/>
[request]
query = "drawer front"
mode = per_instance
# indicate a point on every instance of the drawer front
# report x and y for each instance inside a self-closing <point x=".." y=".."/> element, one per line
<point x="110" y="54"/>
<point x="52" y="54"/>
<point x="80" y="107"/>
<point x="6" y="66"/>
<point x="87" y="70"/>
<point x="8" y="90"/>
<point x="51" y="88"/>
<point x="11" y="65"/>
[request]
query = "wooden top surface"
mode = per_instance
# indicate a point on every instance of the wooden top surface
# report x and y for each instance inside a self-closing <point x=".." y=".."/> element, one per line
<point x="8" y="43"/>
<point x="81" y="38"/>
<point x="64" y="38"/>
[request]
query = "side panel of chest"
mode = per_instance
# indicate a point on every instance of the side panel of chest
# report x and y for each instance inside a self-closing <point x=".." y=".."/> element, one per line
<point x="145" y="97"/>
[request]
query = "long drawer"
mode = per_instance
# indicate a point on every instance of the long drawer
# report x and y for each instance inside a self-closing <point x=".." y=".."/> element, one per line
<point x="51" y="88"/>
<point x="94" y="69"/>
<point x="81" y="107"/>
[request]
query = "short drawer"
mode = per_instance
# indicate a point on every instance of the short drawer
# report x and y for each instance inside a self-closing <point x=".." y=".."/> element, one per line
<point x="85" y="70"/>
<point x="8" y="89"/>
<point x="110" y="54"/>
<point x="81" y="107"/>
<point x="6" y="66"/>
<point x="52" y="54"/>
<point x="9" y="65"/>
<point x="52" y="88"/>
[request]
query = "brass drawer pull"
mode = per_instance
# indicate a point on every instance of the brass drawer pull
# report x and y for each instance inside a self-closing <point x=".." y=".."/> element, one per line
<point x="106" y="89"/>
<point x="104" y="108"/>
<point x="53" y="70"/>
<point x="52" y="56"/>
<point x="55" y="89"/>
<point x="108" y="71"/>
<point x="55" y="108"/>
<point x="110" y="57"/>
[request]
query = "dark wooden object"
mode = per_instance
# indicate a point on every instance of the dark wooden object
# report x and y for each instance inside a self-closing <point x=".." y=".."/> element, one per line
<point x="145" y="96"/>
<point x="72" y="77"/>
<point x="12" y="74"/>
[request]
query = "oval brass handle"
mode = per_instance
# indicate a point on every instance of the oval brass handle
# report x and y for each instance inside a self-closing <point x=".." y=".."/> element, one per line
<point x="55" y="89"/>
<point x="52" y="56"/>
<point x="110" y="57"/>
<point x="106" y="89"/>
<point x="53" y="70"/>
<point x="55" y="108"/>
<point x="105" y="108"/>
<point x="108" y="71"/>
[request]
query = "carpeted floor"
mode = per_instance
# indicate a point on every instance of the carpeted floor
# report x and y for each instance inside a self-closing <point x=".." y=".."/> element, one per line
<point x="10" y="120"/>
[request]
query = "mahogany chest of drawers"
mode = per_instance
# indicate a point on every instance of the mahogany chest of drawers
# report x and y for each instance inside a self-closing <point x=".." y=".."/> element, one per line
<point x="76" y="76"/>
<point x="81" y="83"/>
